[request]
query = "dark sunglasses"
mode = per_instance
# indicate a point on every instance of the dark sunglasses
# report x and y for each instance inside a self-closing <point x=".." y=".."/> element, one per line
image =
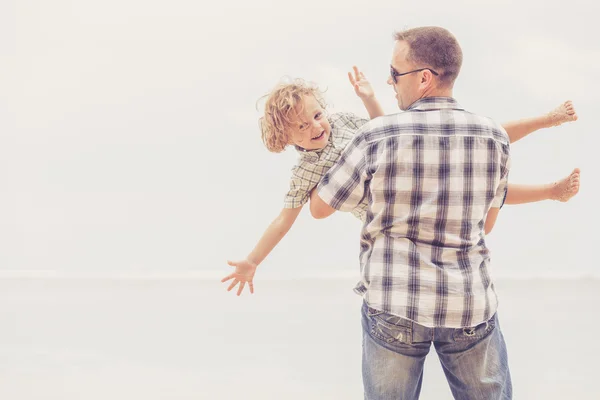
<point x="395" y="74"/>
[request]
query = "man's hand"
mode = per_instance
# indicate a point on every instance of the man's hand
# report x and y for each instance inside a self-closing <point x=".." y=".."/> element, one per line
<point x="244" y="272"/>
<point x="361" y="85"/>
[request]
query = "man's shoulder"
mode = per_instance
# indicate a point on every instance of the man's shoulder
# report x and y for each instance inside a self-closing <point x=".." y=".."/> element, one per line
<point x="481" y="119"/>
<point x="387" y="125"/>
<point x="444" y="122"/>
<point x="482" y="124"/>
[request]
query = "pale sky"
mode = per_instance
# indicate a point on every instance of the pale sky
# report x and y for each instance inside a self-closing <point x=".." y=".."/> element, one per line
<point x="130" y="143"/>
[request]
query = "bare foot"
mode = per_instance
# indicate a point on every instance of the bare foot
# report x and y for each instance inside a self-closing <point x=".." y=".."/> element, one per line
<point x="563" y="113"/>
<point x="567" y="187"/>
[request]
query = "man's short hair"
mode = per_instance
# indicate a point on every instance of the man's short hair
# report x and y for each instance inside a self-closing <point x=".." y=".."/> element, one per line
<point x="434" y="47"/>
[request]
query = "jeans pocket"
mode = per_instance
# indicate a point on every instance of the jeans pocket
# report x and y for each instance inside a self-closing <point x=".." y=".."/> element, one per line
<point x="475" y="333"/>
<point x="371" y="312"/>
<point x="390" y="328"/>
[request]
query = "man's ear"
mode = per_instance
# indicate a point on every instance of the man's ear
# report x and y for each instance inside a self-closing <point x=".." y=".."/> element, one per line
<point x="427" y="79"/>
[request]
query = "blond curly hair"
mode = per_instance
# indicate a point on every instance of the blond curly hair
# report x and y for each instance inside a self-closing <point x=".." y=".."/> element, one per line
<point x="282" y="107"/>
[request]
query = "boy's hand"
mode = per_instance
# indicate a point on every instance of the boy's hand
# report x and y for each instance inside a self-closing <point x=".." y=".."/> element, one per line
<point x="361" y="85"/>
<point x="244" y="272"/>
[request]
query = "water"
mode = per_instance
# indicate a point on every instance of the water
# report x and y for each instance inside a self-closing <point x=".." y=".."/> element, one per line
<point x="294" y="339"/>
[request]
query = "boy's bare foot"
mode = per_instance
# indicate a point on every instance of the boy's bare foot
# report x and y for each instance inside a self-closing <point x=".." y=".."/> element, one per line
<point x="567" y="187"/>
<point x="563" y="113"/>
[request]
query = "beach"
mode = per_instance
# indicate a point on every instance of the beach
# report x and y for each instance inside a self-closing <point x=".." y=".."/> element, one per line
<point x="293" y="339"/>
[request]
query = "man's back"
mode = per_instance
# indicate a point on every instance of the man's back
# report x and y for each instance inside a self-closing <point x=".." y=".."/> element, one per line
<point x="430" y="176"/>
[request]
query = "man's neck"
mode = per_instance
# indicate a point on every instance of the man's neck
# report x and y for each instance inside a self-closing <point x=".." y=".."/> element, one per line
<point x="438" y="92"/>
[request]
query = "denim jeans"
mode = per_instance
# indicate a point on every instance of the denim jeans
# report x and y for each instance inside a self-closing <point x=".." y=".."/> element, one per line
<point x="394" y="350"/>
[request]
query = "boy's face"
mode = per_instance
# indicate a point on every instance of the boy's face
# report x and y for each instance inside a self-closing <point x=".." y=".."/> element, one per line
<point x="311" y="130"/>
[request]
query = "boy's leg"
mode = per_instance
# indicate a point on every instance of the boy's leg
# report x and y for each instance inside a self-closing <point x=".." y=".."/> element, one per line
<point x="394" y="351"/>
<point x="519" y="129"/>
<point x="561" y="190"/>
<point x="475" y="361"/>
<point x="561" y="114"/>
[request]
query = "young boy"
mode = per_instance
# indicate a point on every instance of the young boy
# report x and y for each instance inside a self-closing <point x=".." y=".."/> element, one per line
<point x="295" y="115"/>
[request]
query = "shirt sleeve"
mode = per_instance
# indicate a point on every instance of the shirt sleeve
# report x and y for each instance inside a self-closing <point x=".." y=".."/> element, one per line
<point x="343" y="186"/>
<point x="348" y="120"/>
<point x="502" y="189"/>
<point x="303" y="180"/>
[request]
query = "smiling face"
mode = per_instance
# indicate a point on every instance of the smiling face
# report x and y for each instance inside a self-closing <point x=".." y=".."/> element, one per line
<point x="311" y="129"/>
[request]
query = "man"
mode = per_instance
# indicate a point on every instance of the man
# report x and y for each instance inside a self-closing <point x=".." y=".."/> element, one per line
<point x="435" y="177"/>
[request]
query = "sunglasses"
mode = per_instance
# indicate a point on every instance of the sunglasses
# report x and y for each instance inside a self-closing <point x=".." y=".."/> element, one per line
<point x="395" y="74"/>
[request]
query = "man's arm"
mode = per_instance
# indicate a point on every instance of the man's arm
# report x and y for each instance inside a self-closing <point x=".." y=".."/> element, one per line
<point x="343" y="186"/>
<point x="490" y="220"/>
<point x="318" y="208"/>
<point x="501" y="191"/>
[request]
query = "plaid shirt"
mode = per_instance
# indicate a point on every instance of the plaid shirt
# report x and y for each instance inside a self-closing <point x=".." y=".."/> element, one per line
<point x="312" y="165"/>
<point x="429" y="175"/>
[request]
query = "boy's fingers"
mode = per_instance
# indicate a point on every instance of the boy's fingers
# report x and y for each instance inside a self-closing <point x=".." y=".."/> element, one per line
<point x="352" y="81"/>
<point x="356" y="72"/>
<point x="228" y="277"/>
<point x="241" y="288"/>
<point x="235" y="282"/>
<point x="251" y="285"/>
<point x="231" y="263"/>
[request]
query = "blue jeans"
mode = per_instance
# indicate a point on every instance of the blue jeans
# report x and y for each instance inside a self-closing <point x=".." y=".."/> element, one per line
<point x="394" y="350"/>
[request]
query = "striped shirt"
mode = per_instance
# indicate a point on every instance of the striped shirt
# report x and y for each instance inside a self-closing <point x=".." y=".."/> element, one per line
<point x="430" y="176"/>
<point x="312" y="165"/>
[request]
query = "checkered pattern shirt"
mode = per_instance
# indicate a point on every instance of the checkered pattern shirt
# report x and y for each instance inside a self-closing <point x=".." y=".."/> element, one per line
<point x="312" y="165"/>
<point x="429" y="175"/>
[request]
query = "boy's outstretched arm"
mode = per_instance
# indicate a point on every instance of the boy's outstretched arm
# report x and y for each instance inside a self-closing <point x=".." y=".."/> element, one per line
<point x="363" y="89"/>
<point x="519" y="129"/>
<point x="245" y="269"/>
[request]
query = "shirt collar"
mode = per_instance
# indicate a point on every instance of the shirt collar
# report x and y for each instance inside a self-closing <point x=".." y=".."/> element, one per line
<point x="434" y="103"/>
<point x="308" y="154"/>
